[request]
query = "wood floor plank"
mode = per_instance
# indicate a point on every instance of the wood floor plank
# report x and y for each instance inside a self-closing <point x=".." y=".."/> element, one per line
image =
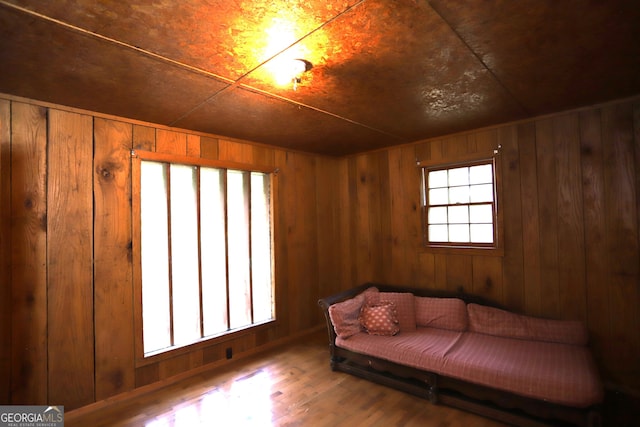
<point x="292" y="386"/>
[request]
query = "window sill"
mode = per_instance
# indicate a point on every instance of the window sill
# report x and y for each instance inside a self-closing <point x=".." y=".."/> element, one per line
<point x="464" y="250"/>
<point x="172" y="352"/>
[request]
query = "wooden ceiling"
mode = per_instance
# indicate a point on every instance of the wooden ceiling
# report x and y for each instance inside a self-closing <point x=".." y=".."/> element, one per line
<point x="385" y="72"/>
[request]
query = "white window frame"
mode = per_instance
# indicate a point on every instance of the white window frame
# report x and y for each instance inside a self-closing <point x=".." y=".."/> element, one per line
<point x="465" y="247"/>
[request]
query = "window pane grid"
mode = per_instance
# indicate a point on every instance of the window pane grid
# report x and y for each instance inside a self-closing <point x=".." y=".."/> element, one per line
<point x="460" y="205"/>
<point x="198" y="282"/>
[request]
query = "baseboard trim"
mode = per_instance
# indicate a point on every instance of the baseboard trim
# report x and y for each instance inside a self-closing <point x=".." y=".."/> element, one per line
<point x="149" y="388"/>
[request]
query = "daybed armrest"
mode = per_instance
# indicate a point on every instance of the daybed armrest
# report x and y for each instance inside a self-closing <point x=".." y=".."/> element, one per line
<point x="327" y="302"/>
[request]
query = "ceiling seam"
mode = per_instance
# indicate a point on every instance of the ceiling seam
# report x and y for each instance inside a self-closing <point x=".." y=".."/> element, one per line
<point x="237" y="82"/>
<point x="473" y="52"/>
<point x="116" y="42"/>
<point x="319" y="110"/>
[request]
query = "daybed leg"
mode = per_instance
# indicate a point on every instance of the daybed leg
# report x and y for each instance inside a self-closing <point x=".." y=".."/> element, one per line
<point x="333" y="362"/>
<point x="432" y="394"/>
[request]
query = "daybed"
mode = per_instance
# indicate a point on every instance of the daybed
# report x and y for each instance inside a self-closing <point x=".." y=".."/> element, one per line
<point x="463" y="351"/>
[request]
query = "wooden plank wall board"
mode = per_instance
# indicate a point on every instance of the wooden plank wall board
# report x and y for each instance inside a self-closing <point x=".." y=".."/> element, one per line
<point x="171" y="142"/>
<point x="304" y="239"/>
<point x="595" y="231"/>
<point x="571" y="263"/>
<point x="367" y="218"/>
<point x="29" y="254"/>
<point x="342" y="199"/>
<point x="5" y="251"/>
<point x="622" y="240"/>
<point x="411" y="182"/>
<point x="509" y="164"/>
<point x="636" y="146"/>
<point x="328" y="234"/>
<point x="547" y="186"/>
<point x="144" y="138"/>
<point x="635" y="334"/>
<point x="530" y="219"/>
<point x="352" y="213"/>
<point x="209" y="148"/>
<point x="193" y="145"/>
<point x="236" y="152"/>
<point x="113" y="285"/>
<point x="459" y="276"/>
<point x="383" y="235"/>
<point x="487" y="277"/>
<point x="403" y="208"/>
<point x="284" y="205"/>
<point x="285" y="180"/>
<point x="70" y="259"/>
<point x="359" y="213"/>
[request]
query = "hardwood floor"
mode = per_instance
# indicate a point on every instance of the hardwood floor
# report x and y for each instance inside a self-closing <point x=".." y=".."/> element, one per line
<point x="291" y="386"/>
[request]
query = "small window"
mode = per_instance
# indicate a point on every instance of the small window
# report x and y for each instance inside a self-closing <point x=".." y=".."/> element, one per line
<point x="460" y="205"/>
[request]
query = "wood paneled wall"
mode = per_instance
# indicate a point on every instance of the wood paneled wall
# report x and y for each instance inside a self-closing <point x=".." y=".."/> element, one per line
<point x="570" y="199"/>
<point x="66" y="302"/>
<point x="571" y="203"/>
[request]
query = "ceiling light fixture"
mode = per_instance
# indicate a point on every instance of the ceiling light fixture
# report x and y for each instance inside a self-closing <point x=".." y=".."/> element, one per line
<point x="299" y="67"/>
<point x="289" y="70"/>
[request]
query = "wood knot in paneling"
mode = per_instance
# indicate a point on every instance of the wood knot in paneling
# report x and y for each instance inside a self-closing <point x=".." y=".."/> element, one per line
<point x="130" y="251"/>
<point x="107" y="171"/>
<point x="29" y="299"/>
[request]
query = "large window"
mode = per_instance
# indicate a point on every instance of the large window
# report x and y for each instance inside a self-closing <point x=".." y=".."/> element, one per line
<point x="460" y="209"/>
<point x="205" y="250"/>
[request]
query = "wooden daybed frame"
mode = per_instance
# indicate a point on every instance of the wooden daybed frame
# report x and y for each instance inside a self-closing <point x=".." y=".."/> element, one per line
<point x="491" y="403"/>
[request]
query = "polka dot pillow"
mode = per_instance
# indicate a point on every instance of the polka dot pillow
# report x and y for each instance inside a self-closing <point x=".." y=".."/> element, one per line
<point x="380" y="318"/>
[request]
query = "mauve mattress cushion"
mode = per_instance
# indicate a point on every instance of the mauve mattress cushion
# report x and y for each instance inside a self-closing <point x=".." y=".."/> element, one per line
<point x="558" y="373"/>
<point x="424" y="348"/>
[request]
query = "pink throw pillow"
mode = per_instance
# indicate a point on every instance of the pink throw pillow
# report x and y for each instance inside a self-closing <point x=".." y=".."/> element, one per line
<point x="405" y="307"/>
<point x="493" y="321"/>
<point x="442" y="313"/>
<point x="380" y="319"/>
<point x="344" y="315"/>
